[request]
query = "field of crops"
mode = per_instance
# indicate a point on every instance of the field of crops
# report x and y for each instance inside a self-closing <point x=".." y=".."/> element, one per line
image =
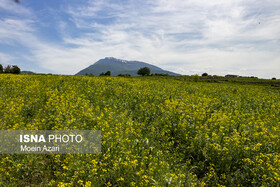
<point x="155" y="131"/>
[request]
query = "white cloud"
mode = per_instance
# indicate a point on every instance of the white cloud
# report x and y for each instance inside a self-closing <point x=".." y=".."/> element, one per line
<point x="14" y="30"/>
<point x="5" y="59"/>
<point x="188" y="37"/>
<point x="193" y="35"/>
<point x="12" y="7"/>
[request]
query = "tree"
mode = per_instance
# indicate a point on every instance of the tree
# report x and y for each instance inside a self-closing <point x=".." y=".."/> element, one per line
<point x="124" y="75"/>
<point x="15" y="70"/>
<point x="144" y="71"/>
<point x="11" y="69"/>
<point x="7" y="69"/>
<point x="1" y="68"/>
<point x="204" y="74"/>
<point x="108" y="73"/>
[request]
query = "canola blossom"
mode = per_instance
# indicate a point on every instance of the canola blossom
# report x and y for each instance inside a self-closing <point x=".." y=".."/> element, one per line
<point x="156" y="131"/>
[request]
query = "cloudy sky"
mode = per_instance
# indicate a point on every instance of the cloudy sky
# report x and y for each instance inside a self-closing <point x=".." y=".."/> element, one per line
<point x="185" y="36"/>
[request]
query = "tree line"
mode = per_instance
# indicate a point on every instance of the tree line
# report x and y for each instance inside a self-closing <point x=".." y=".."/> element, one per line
<point x="145" y="71"/>
<point x="10" y="69"/>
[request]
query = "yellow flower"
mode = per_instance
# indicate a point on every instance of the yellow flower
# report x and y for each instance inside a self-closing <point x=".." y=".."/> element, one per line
<point x="80" y="182"/>
<point x="88" y="184"/>
<point x="120" y="179"/>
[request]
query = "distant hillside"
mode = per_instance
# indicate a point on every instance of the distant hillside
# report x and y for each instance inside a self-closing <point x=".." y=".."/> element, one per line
<point x="27" y="72"/>
<point x="118" y="66"/>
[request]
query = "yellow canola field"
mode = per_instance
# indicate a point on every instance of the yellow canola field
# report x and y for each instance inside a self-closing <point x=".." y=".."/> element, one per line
<point x="155" y="131"/>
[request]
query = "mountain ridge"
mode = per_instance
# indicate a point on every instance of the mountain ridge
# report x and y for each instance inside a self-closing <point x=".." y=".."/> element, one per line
<point x="120" y="66"/>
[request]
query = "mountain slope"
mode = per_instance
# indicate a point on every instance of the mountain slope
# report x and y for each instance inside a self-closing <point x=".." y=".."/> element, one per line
<point x="118" y="66"/>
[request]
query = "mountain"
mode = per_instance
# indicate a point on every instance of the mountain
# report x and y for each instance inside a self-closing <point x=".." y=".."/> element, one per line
<point x="118" y="66"/>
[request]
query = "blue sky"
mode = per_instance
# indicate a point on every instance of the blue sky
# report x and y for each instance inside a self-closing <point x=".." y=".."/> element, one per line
<point x="185" y="36"/>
